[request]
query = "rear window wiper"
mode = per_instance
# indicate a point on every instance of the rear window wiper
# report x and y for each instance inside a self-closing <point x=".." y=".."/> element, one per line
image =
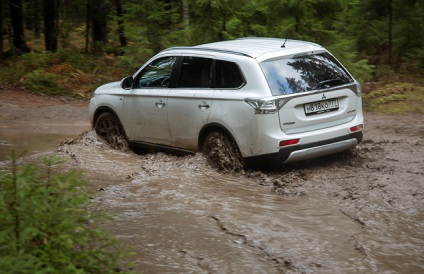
<point x="326" y="83"/>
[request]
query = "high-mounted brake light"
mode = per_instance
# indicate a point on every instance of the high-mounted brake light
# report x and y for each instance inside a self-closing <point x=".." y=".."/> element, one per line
<point x="356" y="128"/>
<point x="289" y="142"/>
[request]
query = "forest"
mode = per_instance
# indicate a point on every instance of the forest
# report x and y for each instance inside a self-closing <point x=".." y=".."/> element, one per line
<point x="63" y="46"/>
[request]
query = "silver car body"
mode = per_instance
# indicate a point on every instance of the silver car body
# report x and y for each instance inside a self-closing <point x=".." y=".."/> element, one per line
<point x="257" y="119"/>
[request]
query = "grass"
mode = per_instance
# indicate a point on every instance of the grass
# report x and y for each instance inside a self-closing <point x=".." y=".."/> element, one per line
<point x="67" y="72"/>
<point x="405" y="96"/>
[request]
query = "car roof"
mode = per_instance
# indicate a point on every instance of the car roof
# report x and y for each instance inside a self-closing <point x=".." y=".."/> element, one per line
<point x="259" y="48"/>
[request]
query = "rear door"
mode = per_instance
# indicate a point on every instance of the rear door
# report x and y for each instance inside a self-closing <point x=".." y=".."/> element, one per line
<point x="316" y="91"/>
<point x="189" y="103"/>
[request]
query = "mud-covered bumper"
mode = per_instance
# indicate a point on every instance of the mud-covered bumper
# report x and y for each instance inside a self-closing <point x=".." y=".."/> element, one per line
<point x="307" y="151"/>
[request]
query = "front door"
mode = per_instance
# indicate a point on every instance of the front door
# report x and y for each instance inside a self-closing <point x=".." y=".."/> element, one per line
<point x="146" y="118"/>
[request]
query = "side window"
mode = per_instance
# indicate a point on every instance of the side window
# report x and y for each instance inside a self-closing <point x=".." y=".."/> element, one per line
<point x="157" y="73"/>
<point x="228" y="75"/>
<point x="196" y="72"/>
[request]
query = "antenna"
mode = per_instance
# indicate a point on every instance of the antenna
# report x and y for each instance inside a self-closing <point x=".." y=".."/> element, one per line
<point x="284" y="44"/>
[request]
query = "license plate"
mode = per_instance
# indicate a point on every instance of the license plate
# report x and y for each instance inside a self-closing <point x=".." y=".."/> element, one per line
<point x="321" y="106"/>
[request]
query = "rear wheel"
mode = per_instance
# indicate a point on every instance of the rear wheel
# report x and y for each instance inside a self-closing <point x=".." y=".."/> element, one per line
<point x="107" y="126"/>
<point x="222" y="152"/>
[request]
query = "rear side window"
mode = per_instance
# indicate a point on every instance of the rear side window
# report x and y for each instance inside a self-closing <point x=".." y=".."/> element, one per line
<point x="196" y="72"/>
<point x="304" y="73"/>
<point x="228" y="75"/>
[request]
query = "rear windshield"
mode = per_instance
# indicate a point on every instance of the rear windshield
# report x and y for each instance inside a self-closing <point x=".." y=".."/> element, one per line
<point x="304" y="73"/>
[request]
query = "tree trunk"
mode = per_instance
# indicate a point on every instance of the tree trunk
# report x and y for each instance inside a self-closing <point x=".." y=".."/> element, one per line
<point x="121" y="29"/>
<point x="19" y="45"/>
<point x="186" y="14"/>
<point x="1" y="29"/>
<point x="99" y="20"/>
<point x="36" y="18"/>
<point x="88" y="27"/>
<point x="50" y="26"/>
<point x="223" y="28"/>
<point x="390" y="30"/>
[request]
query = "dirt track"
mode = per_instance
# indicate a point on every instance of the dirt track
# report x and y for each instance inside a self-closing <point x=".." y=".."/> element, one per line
<point x="356" y="212"/>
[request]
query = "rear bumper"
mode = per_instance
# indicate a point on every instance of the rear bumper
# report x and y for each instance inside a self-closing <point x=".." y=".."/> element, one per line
<point x="308" y="151"/>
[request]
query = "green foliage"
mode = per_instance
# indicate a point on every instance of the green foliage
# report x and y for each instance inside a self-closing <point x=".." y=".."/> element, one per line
<point x="136" y="53"/>
<point x="45" y="226"/>
<point x="386" y="33"/>
<point x="344" y="51"/>
<point x="41" y="82"/>
<point x="396" y="97"/>
<point x="66" y="72"/>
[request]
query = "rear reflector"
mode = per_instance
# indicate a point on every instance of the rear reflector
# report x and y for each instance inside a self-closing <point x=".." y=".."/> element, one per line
<point x="356" y="128"/>
<point x="289" y="142"/>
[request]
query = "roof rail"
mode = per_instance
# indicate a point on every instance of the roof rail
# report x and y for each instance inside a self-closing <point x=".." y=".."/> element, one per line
<point x="259" y="38"/>
<point x="200" y="48"/>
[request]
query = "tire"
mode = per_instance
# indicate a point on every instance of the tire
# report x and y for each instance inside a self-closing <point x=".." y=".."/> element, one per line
<point x="222" y="152"/>
<point x="107" y="126"/>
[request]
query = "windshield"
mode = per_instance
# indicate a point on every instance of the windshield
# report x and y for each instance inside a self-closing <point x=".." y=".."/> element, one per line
<point x="304" y="73"/>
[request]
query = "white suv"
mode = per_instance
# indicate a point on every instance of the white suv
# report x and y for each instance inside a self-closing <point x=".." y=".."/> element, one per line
<point x="241" y="102"/>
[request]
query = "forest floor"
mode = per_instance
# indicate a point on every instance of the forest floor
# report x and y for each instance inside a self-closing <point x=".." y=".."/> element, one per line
<point x="356" y="212"/>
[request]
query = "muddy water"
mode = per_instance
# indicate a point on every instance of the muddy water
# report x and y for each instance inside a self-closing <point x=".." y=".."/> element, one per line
<point x="28" y="141"/>
<point x="354" y="213"/>
<point x="36" y="124"/>
<point x="184" y="219"/>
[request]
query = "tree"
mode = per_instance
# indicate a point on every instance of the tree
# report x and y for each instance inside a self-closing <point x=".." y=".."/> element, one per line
<point x="33" y="16"/>
<point x="209" y="19"/>
<point x="121" y="29"/>
<point x="1" y="28"/>
<point x="386" y="33"/>
<point x="50" y="24"/>
<point x="159" y="21"/>
<point x="19" y="45"/>
<point x="98" y="13"/>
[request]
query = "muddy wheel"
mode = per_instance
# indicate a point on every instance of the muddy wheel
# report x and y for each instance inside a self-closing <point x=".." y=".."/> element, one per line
<point x="222" y="152"/>
<point x="107" y="126"/>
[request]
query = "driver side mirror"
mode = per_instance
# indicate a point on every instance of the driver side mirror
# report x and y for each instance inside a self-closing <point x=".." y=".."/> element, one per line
<point x="127" y="83"/>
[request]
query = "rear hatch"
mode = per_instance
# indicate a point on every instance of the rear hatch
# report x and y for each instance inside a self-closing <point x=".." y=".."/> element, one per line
<point x="315" y="91"/>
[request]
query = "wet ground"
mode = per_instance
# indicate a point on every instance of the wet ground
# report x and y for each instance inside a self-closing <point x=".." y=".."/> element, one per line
<point x="356" y="212"/>
<point x="35" y="123"/>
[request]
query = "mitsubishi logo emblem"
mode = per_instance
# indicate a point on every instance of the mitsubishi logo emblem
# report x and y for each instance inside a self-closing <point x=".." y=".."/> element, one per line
<point x="323" y="96"/>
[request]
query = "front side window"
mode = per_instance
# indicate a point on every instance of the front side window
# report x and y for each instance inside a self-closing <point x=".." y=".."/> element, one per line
<point x="196" y="72"/>
<point x="228" y="75"/>
<point x="157" y="73"/>
<point x="304" y="73"/>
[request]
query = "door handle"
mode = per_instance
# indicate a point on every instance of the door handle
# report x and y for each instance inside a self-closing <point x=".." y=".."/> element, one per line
<point x="203" y="104"/>
<point x="160" y="103"/>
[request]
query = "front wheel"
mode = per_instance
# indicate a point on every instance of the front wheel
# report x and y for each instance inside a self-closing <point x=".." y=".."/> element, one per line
<point x="107" y="126"/>
<point x="222" y="152"/>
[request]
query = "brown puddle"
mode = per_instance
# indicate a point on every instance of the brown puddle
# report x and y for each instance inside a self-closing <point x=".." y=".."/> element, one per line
<point x="28" y="142"/>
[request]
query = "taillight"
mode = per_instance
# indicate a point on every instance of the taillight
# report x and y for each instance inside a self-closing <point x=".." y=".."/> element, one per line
<point x="356" y="128"/>
<point x="289" y="142"/>
<point x="265" y="106"/>
<point x="359" y="92"/>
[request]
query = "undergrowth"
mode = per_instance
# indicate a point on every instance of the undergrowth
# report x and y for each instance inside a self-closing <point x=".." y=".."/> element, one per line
<point x="397" y="95"/>
<point x="45" y="226"/>
<point x="67" y="72"/>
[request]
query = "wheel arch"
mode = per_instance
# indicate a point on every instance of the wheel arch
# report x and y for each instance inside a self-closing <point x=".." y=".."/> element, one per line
<point x="204" y="132"/>
<point x="103" y="109"/>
